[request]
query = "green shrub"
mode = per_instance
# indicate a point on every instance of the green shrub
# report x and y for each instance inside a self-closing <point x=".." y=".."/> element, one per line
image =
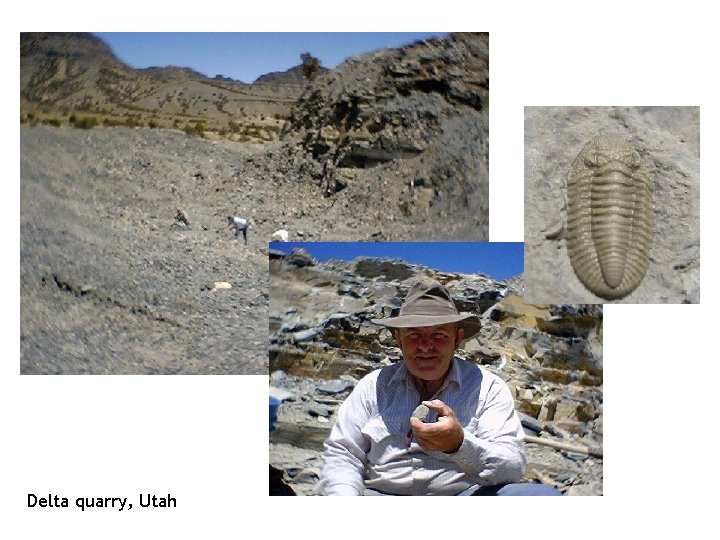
<point x="196" y="131"/>
<point x="86" y="122"/>
<point x="113" y="122"/>
<point x="310" y="65"/>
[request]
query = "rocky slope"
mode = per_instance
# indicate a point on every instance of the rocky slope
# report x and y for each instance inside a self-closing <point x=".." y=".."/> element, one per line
<point x="97" y="213"/>
<point x="110" y="282"/>
<point x="322" y="342"/>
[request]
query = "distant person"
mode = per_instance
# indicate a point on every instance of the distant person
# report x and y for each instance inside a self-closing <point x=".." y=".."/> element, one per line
<point x="181" y="217"/>
<point x="468" y="440"/>
<point x="239" y="225"/>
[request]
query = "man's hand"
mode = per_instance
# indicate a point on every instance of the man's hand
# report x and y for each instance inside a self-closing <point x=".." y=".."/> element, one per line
<point x="445" y="435"/>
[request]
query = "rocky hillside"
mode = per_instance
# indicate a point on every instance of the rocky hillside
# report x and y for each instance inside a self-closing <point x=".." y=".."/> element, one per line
<point x="74" y="78"/>
<point x="97" y="205"/>
<point x="408" y="125"/>
<point x="391" y="145"/>
<point x="322" y="342"/>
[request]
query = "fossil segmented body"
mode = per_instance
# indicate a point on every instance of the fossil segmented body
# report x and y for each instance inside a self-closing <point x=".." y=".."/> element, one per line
<point x="609" y="217"/>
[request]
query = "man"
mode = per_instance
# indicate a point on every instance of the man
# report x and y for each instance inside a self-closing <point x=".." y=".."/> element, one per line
<point x="239" y="225"/>
<point x="471" y="443"/>
<point x="181" y="217"/>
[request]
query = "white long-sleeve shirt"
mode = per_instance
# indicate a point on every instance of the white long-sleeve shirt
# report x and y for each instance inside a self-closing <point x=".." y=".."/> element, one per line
<point x="239" y="222"/>
<point x="367" y="445"/>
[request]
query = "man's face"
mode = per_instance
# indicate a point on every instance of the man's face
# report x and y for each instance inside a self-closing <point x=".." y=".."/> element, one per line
<point x="429" y="350"/>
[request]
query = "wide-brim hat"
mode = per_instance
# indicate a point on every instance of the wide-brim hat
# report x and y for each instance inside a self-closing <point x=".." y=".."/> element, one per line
<point x="428" y="303"/>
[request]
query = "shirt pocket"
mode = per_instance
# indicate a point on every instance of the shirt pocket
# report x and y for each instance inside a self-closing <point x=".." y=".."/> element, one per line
<point x="386" y="437"/>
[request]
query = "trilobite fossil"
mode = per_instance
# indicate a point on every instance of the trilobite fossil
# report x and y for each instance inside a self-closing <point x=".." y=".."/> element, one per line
<point x="609" y="217"/>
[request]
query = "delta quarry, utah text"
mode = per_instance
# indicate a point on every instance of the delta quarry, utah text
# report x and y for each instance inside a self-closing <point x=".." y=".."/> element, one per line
<point x="146" y="500"/>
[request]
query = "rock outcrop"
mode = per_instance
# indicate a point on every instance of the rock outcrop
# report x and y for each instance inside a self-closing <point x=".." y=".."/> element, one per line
<point x="410" y="124"/>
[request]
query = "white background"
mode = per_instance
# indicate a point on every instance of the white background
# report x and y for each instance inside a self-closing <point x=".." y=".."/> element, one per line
<point x="204" y="438"/>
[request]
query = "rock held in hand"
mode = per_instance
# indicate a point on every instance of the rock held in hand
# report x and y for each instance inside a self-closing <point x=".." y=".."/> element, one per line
<point x="421" y="412"/>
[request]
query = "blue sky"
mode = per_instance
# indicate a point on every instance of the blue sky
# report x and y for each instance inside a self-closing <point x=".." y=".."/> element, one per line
<point x="499" y="260"/>
<point x="244" y="56"/>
